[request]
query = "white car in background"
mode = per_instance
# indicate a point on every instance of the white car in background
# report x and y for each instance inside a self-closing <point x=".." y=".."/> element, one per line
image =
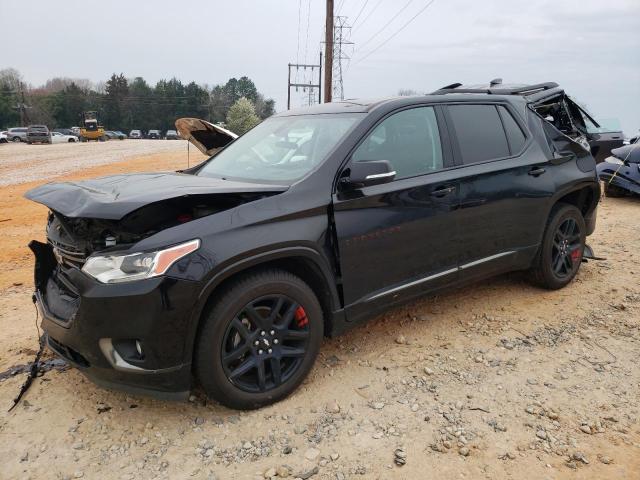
<point x="57" y="137"/>
<point x="3" y="137"/>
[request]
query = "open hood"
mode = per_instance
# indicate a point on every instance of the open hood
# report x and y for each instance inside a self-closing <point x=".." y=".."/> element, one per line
<point x="207" y="137"/>
<point x="113" y="197"/>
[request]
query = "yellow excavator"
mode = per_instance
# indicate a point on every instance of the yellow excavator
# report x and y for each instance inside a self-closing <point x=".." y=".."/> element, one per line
<point x="90" y="130"/>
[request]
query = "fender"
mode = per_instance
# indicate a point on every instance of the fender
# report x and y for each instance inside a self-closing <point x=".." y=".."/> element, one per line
<point x="255" y="260"/>
<point x="589" y="215"/>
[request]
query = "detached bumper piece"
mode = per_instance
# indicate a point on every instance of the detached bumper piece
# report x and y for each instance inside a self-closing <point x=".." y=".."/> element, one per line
<point x="128" y="337"/>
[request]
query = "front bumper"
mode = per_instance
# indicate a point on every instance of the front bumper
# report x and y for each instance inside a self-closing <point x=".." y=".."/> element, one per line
<point x="92" y="326"/>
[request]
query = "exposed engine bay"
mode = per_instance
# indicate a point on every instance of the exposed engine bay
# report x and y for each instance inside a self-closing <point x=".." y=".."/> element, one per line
<point x="77" y="238"/>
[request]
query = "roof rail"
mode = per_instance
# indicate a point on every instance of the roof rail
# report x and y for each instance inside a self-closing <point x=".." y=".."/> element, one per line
<point x="523" y="90"/>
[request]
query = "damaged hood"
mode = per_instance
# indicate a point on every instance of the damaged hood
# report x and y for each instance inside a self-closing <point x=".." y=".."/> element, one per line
<point x="113" y="197"/>
<point x="207" y="137"/>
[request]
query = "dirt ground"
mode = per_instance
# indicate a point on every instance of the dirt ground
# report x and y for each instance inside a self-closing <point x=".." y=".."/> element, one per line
<point x="500" y="380"/>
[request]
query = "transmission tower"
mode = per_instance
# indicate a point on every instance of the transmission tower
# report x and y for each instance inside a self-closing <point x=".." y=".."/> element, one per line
<point x="341" y="38"/>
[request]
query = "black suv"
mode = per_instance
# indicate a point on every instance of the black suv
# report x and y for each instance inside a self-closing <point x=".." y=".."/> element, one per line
<point x="311" y="222"/>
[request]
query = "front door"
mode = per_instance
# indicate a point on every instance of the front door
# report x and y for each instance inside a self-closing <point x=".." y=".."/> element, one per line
<point x="395" y="239"/>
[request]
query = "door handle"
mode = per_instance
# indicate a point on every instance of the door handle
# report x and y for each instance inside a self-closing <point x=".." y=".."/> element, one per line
<point x="536" y="172"/>
<point x="441" y="192"/>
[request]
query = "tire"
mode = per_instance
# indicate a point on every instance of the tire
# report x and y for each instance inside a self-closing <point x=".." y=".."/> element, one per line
<point x="16" y="139"/>
<point x="29" y="143"/>
<point x="560" y="254"/>
<point x="613" y="191"/>
<point x="71" y="140"/>
<point x="230" y="326"/>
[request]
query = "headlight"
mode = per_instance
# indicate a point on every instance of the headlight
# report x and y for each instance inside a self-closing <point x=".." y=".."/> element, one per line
<point x="136" y="266"/>
<point x="614" y="160"/>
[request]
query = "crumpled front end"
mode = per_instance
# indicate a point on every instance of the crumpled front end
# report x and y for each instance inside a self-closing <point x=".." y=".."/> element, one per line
<point x="130" y="337"/>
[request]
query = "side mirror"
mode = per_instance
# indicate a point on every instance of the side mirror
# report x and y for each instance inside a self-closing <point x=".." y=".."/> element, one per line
<point x="369" y="172"/>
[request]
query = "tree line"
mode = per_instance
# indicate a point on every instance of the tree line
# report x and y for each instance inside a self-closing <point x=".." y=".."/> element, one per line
<point x="125" y="104"/>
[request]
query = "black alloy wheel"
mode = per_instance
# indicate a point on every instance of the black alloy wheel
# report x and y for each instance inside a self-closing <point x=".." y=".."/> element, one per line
<point x="560" y="253"/>
<point x="264" y="343"/>
<point x="567" y="248"/>
<point x="259" y="339"/>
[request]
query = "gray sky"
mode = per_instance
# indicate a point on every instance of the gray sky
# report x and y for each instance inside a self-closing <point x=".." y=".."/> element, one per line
<point x="590" y="47"/>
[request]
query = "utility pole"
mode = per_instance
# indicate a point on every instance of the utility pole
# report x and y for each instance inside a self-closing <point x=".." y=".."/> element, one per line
<point x="311" y="86"/>
<point x="22" y="106"/>
<point x="328" y="54"/>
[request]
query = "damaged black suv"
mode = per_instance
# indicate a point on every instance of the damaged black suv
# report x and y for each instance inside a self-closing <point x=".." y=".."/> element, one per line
<point x="231" y="272"/>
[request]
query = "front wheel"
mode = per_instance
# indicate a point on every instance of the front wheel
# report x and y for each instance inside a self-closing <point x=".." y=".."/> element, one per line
<point x="560" y="254"/>
<point x="259" y="340"/>
<point x="16" y="139"/>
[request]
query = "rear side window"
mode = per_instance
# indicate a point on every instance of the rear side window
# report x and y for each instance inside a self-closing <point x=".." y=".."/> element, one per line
<point x="409" y="140"/>
<point x="515" y="135"/>
<point x="479" y="132"/>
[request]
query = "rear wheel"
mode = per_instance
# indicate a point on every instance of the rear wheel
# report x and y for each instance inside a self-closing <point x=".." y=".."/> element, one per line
<point x="560" y="254"/>
<point x="259" y="340"/>
<point x="16" y="139"/>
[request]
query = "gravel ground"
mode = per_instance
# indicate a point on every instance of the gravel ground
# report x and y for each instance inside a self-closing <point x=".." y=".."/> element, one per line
<point x="20" y="163"/>
<point x="499" y="380"/>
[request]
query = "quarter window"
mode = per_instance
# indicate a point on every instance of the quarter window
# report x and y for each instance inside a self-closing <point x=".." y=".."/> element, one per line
<point x="409" y="140"/>
<point x="479" y="132"/>
<point x="514" y="132"/>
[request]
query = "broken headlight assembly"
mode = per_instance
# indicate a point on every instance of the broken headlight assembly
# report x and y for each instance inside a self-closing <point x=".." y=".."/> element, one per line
<point x="114" y="268"/>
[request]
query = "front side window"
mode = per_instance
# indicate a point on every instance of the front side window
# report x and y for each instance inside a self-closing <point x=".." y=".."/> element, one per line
<point x="479" y="132"/>
<point x="281" y="149"/>
<point x="409" y="140"/>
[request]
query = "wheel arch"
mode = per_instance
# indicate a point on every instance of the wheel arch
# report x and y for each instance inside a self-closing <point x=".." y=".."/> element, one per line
<point x="585" y="198"/>
<point x="304" y="262"/>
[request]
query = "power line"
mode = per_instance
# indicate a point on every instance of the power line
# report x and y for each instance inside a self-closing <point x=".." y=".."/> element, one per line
<point x="364" y="20"/>
<point x="298" y="46"/>
<point x="340" y="7"/>
<point x="360" y="12"/>
<point x="397" y="31"/>
<point x="306" y="45"/>
<point x="385" y="25"/>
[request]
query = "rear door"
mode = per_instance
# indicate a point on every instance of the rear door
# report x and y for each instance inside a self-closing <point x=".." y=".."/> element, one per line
<point x="395" y="240"/>
<point x="504" y="187"/>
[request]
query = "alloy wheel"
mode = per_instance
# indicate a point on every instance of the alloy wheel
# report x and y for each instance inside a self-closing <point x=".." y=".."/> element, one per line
<point x="265" y="343"/>
<point x="567" y="248"/>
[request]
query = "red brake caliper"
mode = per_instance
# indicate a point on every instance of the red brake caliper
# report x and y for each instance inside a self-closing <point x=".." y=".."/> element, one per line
<point x="575" y="255"/>
<point x="301" y="317"/>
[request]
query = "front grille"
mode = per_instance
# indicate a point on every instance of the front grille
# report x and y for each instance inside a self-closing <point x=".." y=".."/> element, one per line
<point x="66" y="255"/>
<point x="68" y="353"/>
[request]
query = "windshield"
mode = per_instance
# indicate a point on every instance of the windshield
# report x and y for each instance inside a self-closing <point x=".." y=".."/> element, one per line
<point x="281" y="149"/>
